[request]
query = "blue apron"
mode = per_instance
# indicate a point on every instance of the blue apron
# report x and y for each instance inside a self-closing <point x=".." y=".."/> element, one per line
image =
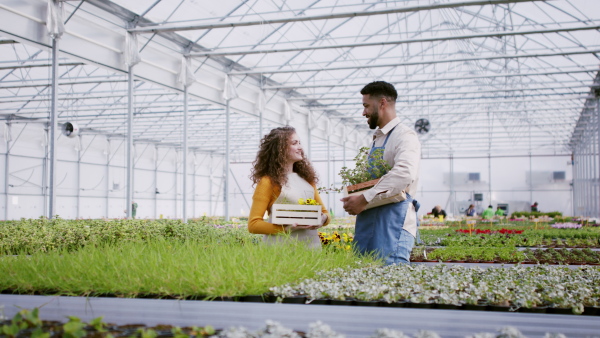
<point x="380" y="230"/>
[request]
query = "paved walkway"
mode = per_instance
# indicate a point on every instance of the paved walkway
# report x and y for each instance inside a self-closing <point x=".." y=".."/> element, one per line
<point x="353" y="321"/>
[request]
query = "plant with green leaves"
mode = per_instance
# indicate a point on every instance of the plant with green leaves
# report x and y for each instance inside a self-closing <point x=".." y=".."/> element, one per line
<point x="74" y="328"/>
<point x="363" y="170"/>
<point x="22" y="320"/>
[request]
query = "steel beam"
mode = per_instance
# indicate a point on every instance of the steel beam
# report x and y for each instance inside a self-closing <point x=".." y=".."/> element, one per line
<point x="434" y="79"/>
<point x="498" y="34"/>
<point x="41" y="65"/>
<point x="177" y="28"/>
<point x="413" y="63"/>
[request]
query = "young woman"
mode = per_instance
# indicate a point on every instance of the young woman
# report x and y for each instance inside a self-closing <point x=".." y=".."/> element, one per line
<point x="282" y="174"/>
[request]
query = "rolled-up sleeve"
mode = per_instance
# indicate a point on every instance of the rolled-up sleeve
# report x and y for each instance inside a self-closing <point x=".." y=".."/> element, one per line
<point x="404" y="159"/>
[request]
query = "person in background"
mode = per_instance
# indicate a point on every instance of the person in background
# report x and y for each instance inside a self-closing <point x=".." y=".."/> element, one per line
<point x="283" y="174"/>
<point x="470" y="211"/>
<point x="134" y="207"/>
<point x="499" y="212"/>
<point x="534" y="207"/>
<point x="488" y="213"/>
<point x="437" y="211"/>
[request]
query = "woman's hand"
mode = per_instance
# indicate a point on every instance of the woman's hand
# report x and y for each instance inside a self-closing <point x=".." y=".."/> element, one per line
<point x="296" y="227"/>
<point x="324" y="218"/>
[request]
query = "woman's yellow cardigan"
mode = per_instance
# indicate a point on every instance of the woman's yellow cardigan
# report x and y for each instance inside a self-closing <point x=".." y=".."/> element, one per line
<point x="264" y="196"/>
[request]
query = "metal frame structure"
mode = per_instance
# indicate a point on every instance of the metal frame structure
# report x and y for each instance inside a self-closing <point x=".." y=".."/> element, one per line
<point x="494" y="77"/>
<point x="586" y="161"/>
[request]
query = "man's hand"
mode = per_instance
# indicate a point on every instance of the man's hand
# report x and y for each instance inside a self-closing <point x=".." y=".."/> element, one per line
<point x="355" y="204"/>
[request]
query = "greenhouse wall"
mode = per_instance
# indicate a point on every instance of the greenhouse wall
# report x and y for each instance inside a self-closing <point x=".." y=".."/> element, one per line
<point x="89" y="188"/>
<point x="586" y="157"/>
<point x="91" y="181"/>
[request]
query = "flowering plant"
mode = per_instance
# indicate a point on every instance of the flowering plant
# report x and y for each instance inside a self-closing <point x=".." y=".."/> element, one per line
<point x="566" y="225"/>
<point x="308" y="201"/>
<point x="336" y="240"/>
<point x="501" y="231"/>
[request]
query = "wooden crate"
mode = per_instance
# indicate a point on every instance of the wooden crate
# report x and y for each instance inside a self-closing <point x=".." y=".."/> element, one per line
<point x="296" y="213"/>
<point x="376" y="202"/>
<point x="358" y="188"/>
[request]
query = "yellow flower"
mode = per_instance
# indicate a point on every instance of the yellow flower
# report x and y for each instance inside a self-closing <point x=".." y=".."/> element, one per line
<point x="308" y="201"/>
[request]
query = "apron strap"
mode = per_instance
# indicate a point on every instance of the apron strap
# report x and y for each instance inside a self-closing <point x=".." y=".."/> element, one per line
<point x="386" y="139"/>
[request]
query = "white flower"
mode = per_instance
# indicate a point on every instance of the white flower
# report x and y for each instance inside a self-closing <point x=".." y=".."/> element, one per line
<point x="320" y="330"/>
<point x="388" y="333"/>
<point x="510" y="332"/>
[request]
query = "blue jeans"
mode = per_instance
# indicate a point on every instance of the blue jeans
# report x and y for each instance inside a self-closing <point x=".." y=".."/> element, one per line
<point x="403" y="249"/>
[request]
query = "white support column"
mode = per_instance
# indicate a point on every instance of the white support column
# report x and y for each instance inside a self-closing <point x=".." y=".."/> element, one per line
<point x="44" y="173"/>
<point x="530" y="179"/>
<point x="194" y="188"/>
<point x="155" y="181"/>
<point x="329" y="170"/>
<point x="309" y="144"/>
<point x="185" y="151"/>
<point x="227" y="151"/>
<point x="597" y="114"/>
<point x="452" y="193"/>
<point x="210" y="186"/>
<point x="53" y="126"/>
<point x="490" y="176"/>
<point x="593" y="176"/>
<point x="344" y="154"/>
<point x="576" y="181"/>
<point x="79" y="154"/>
<point x="129" y="152"/>
<point x="108" y="179"/>
<point x="177" y="162"/>
<point x="6" y="169"/>
<point x="586" y="175"/>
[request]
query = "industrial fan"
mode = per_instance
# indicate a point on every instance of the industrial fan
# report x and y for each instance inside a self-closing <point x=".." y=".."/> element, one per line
<point x="422" y="126"/>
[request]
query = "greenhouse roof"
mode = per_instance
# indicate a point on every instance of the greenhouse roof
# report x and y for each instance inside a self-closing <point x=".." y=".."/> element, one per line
<point x="494" y="77"/>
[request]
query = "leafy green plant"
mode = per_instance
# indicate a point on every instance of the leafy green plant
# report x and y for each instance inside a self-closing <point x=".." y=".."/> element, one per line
<point x="24" y="319"/>
<point x="526" y="214"/>
<point x="98" y="324"/>
<point x="146" y="333"/>
<point x="363" y="171"/>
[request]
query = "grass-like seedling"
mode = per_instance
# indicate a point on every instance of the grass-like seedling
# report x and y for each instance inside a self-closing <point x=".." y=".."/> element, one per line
<point x="170" y="268"/>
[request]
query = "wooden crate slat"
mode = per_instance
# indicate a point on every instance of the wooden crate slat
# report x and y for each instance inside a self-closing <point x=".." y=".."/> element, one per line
<point x="298" y="214"/>
<point x="295" y="213"/>
<point x="296" y="207"/>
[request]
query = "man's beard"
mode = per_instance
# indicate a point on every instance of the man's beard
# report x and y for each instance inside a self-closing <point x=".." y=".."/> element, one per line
<point x="373" y="119"/>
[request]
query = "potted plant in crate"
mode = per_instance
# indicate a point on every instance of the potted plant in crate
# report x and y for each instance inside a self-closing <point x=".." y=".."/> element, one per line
<point x="367" y="174"/>
<point x="364" y="175"/>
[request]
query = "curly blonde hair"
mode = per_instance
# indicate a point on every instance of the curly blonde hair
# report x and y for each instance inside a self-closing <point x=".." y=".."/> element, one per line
<point x="272" y="156"/>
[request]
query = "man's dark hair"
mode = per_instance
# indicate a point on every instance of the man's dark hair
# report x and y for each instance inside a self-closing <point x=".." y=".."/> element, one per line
<point x="380" y="88"/>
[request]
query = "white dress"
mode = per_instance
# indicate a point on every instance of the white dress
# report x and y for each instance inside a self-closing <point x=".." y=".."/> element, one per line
<point x="296" y="188"/>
